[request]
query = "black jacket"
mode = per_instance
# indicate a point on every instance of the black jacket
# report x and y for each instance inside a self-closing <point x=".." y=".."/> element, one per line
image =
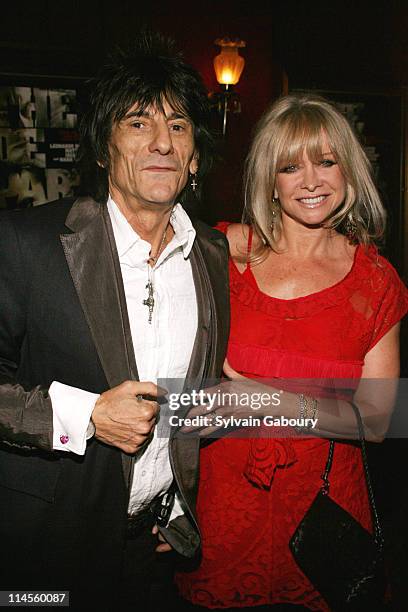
<point x="63" y="317"/>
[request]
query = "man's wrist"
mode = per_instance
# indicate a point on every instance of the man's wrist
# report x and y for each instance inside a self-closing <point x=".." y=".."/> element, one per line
<point x="90" y="431"/>
<point x="72" y="417"/>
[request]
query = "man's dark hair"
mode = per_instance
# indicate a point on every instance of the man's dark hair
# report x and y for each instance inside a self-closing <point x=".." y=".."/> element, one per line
<point x="149" y="72"/>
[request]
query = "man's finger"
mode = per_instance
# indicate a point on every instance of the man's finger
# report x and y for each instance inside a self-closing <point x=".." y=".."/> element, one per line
<point x="161" y="548"/>
<point x="143" y="388"/>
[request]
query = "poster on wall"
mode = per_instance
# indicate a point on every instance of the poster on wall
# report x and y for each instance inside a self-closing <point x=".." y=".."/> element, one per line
<point x="38" y="144"/>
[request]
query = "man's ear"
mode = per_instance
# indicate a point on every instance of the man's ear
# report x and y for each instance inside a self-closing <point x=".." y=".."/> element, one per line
<point x="193" y="168"/>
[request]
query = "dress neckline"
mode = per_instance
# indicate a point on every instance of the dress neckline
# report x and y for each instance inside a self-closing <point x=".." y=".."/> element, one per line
<point x="248" y="276"/>
<point x="245" y="289"/>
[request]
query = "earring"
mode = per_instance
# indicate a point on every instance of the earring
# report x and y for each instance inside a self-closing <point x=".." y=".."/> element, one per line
<point x="350" y="228"/>
<point x="194" y="183"/>
<point x="274" y="211"/>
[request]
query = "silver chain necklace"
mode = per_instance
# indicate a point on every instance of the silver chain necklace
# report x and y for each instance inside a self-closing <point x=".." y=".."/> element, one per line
<point x="149" y="301"/>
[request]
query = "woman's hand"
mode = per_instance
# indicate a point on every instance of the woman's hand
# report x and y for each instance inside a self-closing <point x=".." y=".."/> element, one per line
<point x="230" y="402"/>
<point x="231" y="373"/>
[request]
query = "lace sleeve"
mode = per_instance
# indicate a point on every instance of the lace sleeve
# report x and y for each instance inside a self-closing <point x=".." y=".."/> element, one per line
<point x="391" y="297"/>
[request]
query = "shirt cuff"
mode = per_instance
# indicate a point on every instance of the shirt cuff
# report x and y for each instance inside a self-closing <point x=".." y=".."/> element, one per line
<point x="72" y="409"/>
<point x="177" y="507"/>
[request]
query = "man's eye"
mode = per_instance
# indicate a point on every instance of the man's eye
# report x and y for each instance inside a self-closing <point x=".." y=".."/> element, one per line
<point x="177" y="127"/>
<point x="137" y="124"/>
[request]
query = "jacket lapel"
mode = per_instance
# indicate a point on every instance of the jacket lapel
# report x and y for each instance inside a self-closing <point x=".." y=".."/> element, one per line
<point x="92" y="258"/>
<point x="210" y="272"/>
<point x="209" y="262"/>
<point x="212" y="257"/>
<point x="198" y="356"/>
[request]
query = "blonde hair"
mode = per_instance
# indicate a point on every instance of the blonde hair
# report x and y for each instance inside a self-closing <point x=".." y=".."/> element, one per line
<point x="295" y="124"/>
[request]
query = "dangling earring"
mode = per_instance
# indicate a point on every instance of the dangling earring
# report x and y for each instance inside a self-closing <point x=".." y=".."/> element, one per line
<point x="194" y="183"/>
<point x="350" y="229"/>
<point x="274" y="211"/>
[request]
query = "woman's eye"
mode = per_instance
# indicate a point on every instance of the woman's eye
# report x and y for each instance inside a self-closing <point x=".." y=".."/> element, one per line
<point x="289" y="169"/>
<point x="327" y="163"/>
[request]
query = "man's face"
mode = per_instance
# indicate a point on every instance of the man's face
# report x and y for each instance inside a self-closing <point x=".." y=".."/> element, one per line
<point x="151" y="154"/>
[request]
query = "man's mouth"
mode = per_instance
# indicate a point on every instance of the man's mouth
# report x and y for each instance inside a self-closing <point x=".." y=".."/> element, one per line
<point x="159" y="169"/>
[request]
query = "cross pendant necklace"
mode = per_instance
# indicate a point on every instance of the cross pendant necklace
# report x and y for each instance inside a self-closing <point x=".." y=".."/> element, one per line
<point x="149" y="301"/>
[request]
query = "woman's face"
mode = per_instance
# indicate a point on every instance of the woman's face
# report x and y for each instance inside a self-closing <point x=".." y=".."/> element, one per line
<point x="310" y="191"/>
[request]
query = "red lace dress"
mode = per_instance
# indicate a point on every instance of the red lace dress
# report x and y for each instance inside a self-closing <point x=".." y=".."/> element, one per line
<point x="253" y="492"/>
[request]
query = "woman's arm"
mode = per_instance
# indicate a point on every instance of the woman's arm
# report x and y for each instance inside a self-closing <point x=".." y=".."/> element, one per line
<point x="375" y="398"/>
<point x="376" y="393"/>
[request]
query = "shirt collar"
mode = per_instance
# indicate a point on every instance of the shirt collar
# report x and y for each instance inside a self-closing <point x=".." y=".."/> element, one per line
<point x="126" y="237"/>
<point x="184" y="231"/>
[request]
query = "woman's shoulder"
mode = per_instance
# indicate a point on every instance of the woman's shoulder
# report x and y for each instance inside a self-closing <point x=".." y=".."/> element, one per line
<point x="386" y="293"/>
<point x="378" y="265"/>
<point x="382" y="283"/>
<point x="241" y="238"/>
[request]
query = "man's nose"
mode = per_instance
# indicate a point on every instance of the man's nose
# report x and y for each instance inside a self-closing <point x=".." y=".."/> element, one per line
<point x="161" y="141"/>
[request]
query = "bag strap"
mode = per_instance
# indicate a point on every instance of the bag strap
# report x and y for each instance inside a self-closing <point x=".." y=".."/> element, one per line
<point x="325" y="476"/>
<point x="378" y="535"/>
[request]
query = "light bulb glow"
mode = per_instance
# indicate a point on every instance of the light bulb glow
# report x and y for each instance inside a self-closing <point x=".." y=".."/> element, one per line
<point x="228" y="65"/>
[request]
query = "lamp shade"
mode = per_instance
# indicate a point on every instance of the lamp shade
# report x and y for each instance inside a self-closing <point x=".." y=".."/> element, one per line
<point x="228" y="64"/>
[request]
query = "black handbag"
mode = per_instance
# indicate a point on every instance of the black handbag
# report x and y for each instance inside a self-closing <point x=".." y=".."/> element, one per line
<point x="341" y="559"/>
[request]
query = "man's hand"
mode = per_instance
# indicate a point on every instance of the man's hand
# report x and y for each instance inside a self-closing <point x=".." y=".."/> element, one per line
<point x="122" y="418"/>
<point x="163" y="546"/>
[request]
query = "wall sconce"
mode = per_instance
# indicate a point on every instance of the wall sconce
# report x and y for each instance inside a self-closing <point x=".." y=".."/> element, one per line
<point x="228" y="66"/>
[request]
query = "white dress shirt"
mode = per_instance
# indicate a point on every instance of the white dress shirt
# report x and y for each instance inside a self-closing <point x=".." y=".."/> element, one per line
<point x="162" y="348"/>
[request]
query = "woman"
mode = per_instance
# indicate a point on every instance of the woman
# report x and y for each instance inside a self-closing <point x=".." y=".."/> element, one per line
<point x="311" y="298"/>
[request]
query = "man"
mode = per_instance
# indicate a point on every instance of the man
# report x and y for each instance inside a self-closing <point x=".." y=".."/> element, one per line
<point x="96" y="295"/>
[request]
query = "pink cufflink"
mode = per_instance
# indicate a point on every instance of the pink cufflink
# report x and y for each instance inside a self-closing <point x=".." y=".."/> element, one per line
<point x="64" y="439"/>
